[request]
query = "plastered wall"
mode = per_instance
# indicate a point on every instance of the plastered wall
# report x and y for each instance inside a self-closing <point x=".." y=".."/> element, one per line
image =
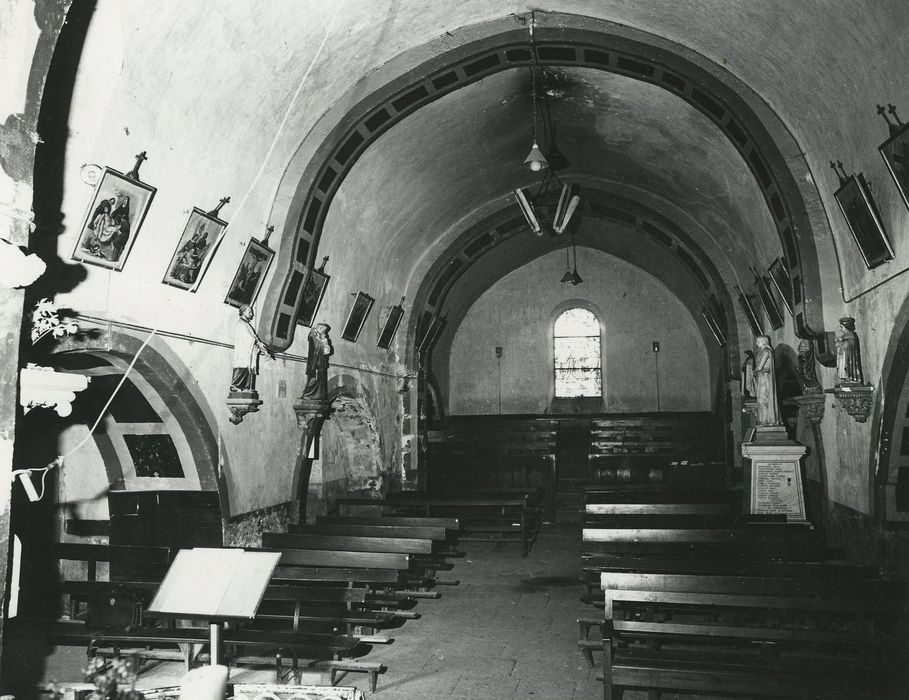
<point x="634" y="309"/>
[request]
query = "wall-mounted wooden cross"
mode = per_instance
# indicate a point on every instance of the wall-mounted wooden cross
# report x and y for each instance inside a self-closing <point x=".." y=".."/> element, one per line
<point x="134" y="173"/>
<point x="892" y="127"/>
<point x="221" y="202"/>
<point x="268" y="231"/>
<point x="841" y="172"/>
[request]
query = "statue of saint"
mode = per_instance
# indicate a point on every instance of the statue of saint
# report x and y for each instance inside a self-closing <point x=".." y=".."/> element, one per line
<point x="748" y="375"/>
<point x="768" y="409"/>
<point x="247" y="346"/>
<point x="806" y="369"/>
<point x="848" y="359"/>
<point x="320" y="349"/>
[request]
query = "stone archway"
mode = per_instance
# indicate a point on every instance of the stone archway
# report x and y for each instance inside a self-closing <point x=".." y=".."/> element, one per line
<point x="425" y="73"/>
<point x="153" y="459"/>
<point x="892" y="422"/>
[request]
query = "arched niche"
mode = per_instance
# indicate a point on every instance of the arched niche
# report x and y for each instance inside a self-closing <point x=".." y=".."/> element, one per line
<point x="154" y="457"/>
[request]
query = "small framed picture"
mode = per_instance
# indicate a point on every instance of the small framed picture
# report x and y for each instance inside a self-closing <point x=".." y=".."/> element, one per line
<point x="195" y="249"/>
<point x="779" y="275"/>
<point x="395" y="314"/>
<point x="357" y="316"/>
<point x="747" y="309"/>
<point x="765" y="294"/>
<point x="864" y="221"/>
<point x="895" y="152"/>
<point x="433" y="331"/>
<point x="714" y="327"/>
<point x="313" y="291"/>
<point x="113" y="219"/>
<point x="250" y="274"/>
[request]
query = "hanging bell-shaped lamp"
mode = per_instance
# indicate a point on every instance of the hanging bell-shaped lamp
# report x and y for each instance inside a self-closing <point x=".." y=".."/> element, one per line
<point x="535" y="160"/>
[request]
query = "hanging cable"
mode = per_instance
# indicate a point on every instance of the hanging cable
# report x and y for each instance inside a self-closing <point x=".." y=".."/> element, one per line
<point x="58" y="462"/>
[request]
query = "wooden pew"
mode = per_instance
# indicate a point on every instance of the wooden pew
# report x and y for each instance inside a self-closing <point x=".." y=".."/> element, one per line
<point x="102" y="634"/>
<point x="792" y="543"/>
<point x="504" y="518"/>
<point x="420" y="550"/>
<point x="642" y="493"/>
<point x="350" y="543"/>
<point x="432" y="544"/>
<point x="631" y="509"/>
<point x="390" y="521"/>
<point x="341" y="559"/>
<point x="434" y="534"/>
<point x="758" y="636"/>
<point x="595" y="565"/>
<point x="313" y="603"/>
<point x="125" y="561"/>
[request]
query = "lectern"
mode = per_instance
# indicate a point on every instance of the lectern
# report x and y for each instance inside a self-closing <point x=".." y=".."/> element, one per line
<point x="214" y="585"/>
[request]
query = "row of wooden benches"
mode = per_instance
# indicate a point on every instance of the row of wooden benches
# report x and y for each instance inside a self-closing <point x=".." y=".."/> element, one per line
<point x="490" y="513"/>
<point x="695" y="600"/>
<point x="322" y="601"/>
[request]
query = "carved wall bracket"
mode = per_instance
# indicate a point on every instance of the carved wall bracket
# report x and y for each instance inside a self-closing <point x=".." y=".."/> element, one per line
<point x="242" y="402"/>
<point x="855" y="400"/>
<point x="311" y="415"/>
<point x="811" y="406"/>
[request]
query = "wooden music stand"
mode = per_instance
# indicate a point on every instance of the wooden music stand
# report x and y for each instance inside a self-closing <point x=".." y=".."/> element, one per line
<point x="215" y="585"/>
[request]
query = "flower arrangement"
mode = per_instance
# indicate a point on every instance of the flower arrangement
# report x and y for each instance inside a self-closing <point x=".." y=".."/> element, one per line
<point x="46" y="320"/>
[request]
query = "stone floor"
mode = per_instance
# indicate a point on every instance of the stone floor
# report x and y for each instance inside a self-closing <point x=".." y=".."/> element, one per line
<point x="507" y="631"/>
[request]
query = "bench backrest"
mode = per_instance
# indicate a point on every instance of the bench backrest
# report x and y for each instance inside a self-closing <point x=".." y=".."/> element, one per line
<point x="594" y="564"/>
<point x="623" y="509"/>
<point x="654" y="494"/>
<point x="401" y="521"/>
<point x="855" y="604"/>
<point x="320" y="574"/>
<point x="376" y="531"/>
<point x="314" y="594"/>
<point x="732" y="535"/>
<point x="361" y="560"/>
<point x="347" y="543"/>
<point x="134" y="561"/>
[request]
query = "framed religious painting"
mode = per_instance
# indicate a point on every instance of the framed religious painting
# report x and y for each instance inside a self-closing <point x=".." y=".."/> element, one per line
<point x="433" y="331"/>
<point x="779" y="275"/>
<point x="390" y="328"/>
<point x="747" y="309"/>
<point x="357" y="316"/>
<point x="250" y="274"/>
<point x="854" y="199"/>
<point x="313" y="291"/>
<point x="765" y="294"/>
<point x="895" y="152"/>
<point x="113" y="219"/>
<point x="713" y="325"/>
<point x="195" y="249"/>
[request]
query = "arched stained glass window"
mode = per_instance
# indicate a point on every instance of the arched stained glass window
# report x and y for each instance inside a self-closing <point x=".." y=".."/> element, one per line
<point x="578" y="370"/>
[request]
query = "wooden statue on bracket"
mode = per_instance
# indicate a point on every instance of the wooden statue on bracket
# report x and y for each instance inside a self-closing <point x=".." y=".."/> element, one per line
<point x="243" y="397"/>
<point x="848" y="358"/>
<point x="314" y="406"/>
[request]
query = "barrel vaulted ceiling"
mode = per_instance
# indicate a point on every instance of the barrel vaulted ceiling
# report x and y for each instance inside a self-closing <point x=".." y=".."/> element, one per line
<point x="771" y="94"/>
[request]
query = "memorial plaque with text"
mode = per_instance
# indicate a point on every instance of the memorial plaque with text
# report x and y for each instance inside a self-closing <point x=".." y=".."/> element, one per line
<point x="776" y="489"/>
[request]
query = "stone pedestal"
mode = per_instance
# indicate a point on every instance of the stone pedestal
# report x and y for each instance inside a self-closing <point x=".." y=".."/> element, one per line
<point x="773" y="484"/>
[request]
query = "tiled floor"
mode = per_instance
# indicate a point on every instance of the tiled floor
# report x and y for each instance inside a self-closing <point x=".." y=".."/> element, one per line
<point x="507" y="631"/>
